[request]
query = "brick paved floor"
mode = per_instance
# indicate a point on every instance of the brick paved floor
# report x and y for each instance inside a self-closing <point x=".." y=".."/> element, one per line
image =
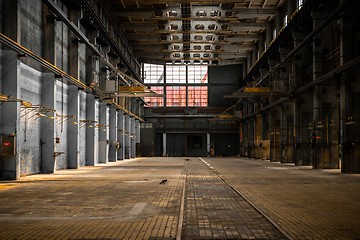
<point x="117" y="201"/>
<point x="306" y="203"/>
<point x="215" y="211"/>
<point x="124" y="200"/>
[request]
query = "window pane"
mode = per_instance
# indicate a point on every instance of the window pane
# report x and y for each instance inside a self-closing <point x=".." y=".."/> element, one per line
<point x="175" y="74"/>
<point x="153" y="73"/>
<point x="176" y="96"/>
<point x="198" y="74"/>
<point x="197" y="96"/>
<point x="155" y="101"/>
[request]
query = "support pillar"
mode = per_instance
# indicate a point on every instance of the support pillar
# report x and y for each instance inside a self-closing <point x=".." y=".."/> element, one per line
<point x="73" y="128"/>
<point x="208" y="143"/>
<point x="91" y="132"/>
<point x="269" y="36"/>
<point x="138" y="138"/>
<point x="48" y="126"/>
<point x="121" y="135"/>
<point x="164" y="145"/>
<point x="127" y="136"/>
<point x="261" y="45"/>
<point x="103" y="133"/>
<point x="349" y="102"/>
<point x="133" y="139"/>
<point x="74" y="56"/>
<point x="10" y="114"/>
<point x="113" y="135"/>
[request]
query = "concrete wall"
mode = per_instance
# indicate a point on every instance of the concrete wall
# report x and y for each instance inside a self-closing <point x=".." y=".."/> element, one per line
<point x="61" y="124"/>
<point x="223" y="80"/>
<point x="30" y="124"/>
<point x="82" y="129"/>
<point x="31" y="25"/>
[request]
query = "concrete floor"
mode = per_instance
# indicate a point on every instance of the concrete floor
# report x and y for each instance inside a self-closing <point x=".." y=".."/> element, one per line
<point x="125" y="200"/>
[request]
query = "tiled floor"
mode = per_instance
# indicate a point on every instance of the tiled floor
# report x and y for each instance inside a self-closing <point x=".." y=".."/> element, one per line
<point x="125" y="200"/>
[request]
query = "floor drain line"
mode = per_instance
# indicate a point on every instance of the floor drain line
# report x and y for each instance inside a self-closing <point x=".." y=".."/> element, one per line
<point x="182" y="208"/>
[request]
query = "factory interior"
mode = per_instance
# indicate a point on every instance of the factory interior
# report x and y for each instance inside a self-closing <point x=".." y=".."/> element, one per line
<point x="164" y="119"/>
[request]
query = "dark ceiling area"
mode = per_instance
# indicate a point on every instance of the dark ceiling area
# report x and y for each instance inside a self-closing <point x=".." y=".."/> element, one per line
<point x="214" y="32"/>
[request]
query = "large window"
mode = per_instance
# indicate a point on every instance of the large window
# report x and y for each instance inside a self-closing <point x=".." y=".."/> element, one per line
<point x="182" y="85"/>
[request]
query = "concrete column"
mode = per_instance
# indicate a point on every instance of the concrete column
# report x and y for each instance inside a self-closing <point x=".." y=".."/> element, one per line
<point x="316" y="158"/>
<point x="91" y="132"/>
<point x="103" y="133"/>
<point x="278" y="21"/>
<point x="133" y="139"/>
<point x="113" y="134"/>
<point x="249" y="61"/>
<point x="261" y="45"/>
<point x="164" y="145"/>
<point x="208" y="143"/>
<point x="74" y="60"/>
<point x="48" y="126"/>
<point x="245" y="69"/>
<point x="121" y="135"/>
<point x="127" y="136"/>
<point x="254" y="54"/>
<point x="137" y="138"/>
<point x="350" y="147"/>
<point x="138" y="131"/>
<point x="92" y="62"/>
<point x="10" y="113"/>
<point x="12" y="18"/>
<point x="269" y="37"/>
<point x="291" y="8"/>
<point x="73" y="128"/>
<point x="50" y="36"/>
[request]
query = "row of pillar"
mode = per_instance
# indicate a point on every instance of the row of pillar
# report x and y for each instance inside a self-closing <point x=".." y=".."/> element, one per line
<point x="111" y="134"/>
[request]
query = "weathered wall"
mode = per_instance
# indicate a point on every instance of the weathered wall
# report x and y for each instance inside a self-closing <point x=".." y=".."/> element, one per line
<point x="31" y="25"/>
<point x="82" y="129"/>
<point x="61" y="124"/>
<point x="223" y="80"/>
<point x="30" y="124"/>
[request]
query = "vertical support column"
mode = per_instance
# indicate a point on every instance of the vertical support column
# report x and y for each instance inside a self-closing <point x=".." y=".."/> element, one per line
<point x="268" y="35"/>
<point x="291" y="8"/>
<point x="261" y="45"/>
<point x="249" y="61"/>
<point x="316" y="158"/>
<point x="127" y="136"/>
<point x="73" y="128"/>
<point x="133" y="139"/>
<point x="245" y="69"/>
<point x="254" y="54"/>
<point x="103" y="133"/>
<point x="92" y="62"/>
<point x="350" y="147"/>
<point x="74" y="60"/>
<point x="121" y="135"/>
<point x="278" y="21"/>
<point x="164" y="145"/>
<point x="208" y="143"/>
<point x="10" y="114"/>
<point x="91" y="136"/>
<point x="113" y="134"/>
<point x="138" y="138"/>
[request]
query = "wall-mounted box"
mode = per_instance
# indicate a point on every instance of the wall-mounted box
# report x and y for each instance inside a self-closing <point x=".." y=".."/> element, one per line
<point x="7" y="147"/>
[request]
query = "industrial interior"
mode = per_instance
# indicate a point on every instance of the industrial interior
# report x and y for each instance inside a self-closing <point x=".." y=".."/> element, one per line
<point x="93" y="83"/>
